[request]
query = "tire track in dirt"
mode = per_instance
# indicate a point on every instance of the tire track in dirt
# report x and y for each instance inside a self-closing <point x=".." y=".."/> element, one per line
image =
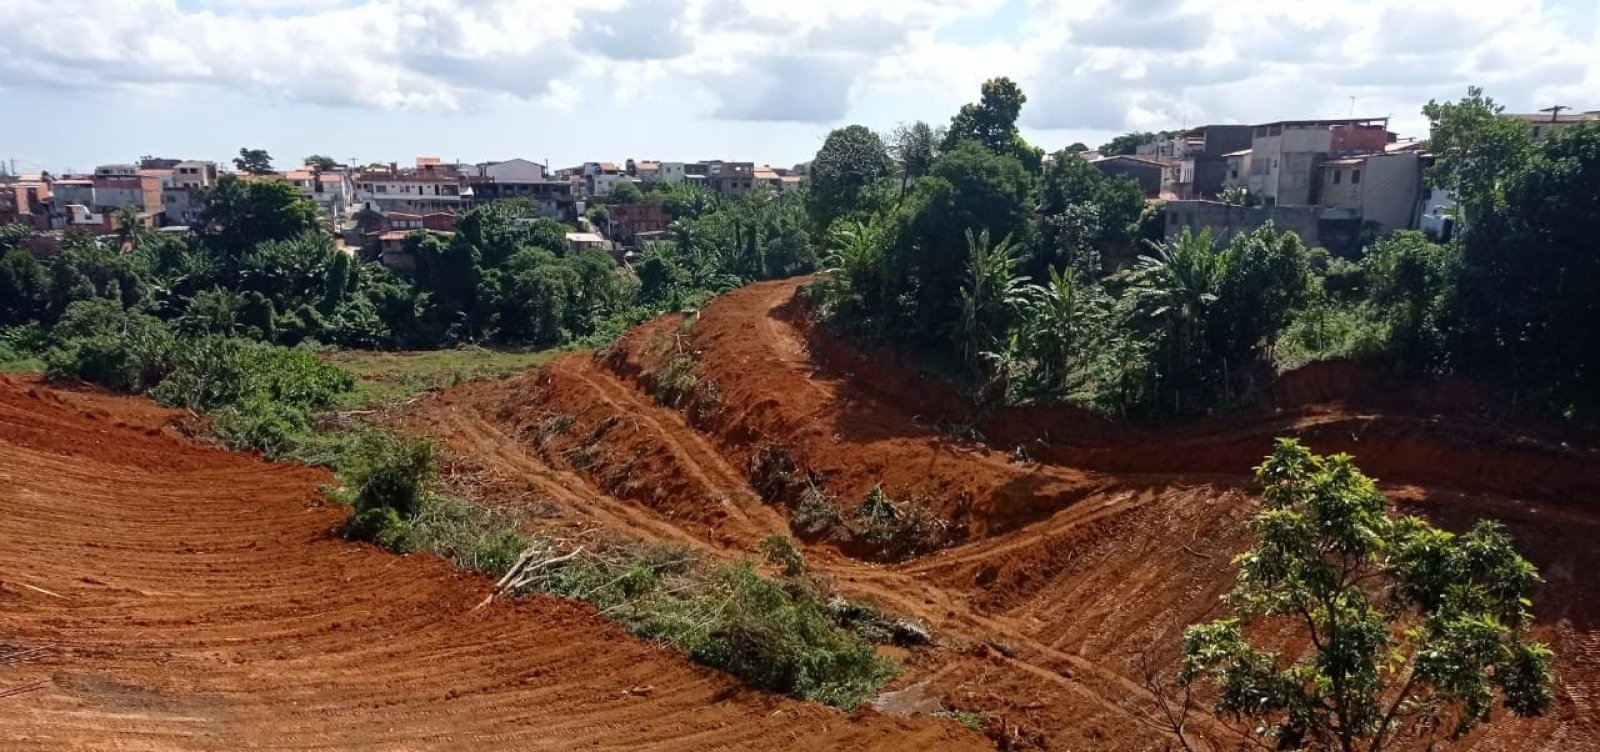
<point x="1097" y="553"/>
<point x="197" y="602"/>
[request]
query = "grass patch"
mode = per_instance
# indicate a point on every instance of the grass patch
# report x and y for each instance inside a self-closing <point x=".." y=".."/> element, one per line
<point x="968" y="718"/>
<point x="383" y="378"/>
<point x="774" y="634"/>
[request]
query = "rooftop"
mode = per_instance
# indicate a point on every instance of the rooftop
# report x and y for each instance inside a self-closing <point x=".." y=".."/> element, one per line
<point x="1545" y="117"/>
<point x="1335" y="121"/>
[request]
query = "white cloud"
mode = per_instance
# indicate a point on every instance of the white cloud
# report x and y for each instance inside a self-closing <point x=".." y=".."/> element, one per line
<point x="1100" y="66"/>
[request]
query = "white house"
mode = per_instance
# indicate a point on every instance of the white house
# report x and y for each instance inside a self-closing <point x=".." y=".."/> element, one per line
<point x="670" y="172"/>
<point x="513" y="171"/>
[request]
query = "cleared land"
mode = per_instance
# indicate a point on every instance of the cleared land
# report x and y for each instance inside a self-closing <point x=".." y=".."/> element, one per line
<point x="1072" y="562"/>
<point x="196" y="601"/>
<point x="160" y="595"/>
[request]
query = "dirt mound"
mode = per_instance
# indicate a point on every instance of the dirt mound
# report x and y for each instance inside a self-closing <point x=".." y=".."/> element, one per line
<point x="1085" y="554"/>
<point x="191" y="598"/>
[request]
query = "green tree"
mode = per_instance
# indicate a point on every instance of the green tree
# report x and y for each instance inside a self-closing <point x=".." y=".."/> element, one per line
<point x="913" y="147"/>
<point x="992" y="122"/>
<point x="131" y="231"/>
<point x="1175" y="290"/>
<point x="24" y="287"/>
<point x="253" y="161"/>
<point x="625" y="192"/>
<point x="237" y="214"/>
<point x="1476" y="150"/>
<point x="1077" y="147"/>
<point x="850" y="161"/>
<point x="1411" y="629"/>
<point x="1128" y="143"/>
<point x="1529" y="272"/>
<point x="320" y="161"/>
<point x="968" y="188"/>
<point x="991" y="296"/>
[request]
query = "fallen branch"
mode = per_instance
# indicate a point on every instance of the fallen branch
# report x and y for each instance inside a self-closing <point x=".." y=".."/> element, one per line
<point x="39" y="590"/>
<point x="24" y="688"/>
<point x="522" y="572"/>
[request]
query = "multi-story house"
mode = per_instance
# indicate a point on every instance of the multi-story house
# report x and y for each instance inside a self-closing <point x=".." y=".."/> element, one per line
<point x="1284" y="156"/>
<point x="1332" y="181"/>
<point x="628" y="221"/>
<point x="88" y="202"/>
<point x="525" y="179"/>
<point x="428" y="187"/>
<point x="732" y="178"/>
<point x="1196" y="163"/>
<point x="182" y="190"/>
<point x="25" y="199"/>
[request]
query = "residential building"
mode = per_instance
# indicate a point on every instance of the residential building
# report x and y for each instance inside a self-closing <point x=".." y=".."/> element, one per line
<point x="1331" y="181"/>
<point x="1147" y="171"/>
<point x="1546" y="123"/>
<point x="428" y="187"/>
<point x="1284" y="156"/>
<point x="732" y="178"/>
<point x="1381" y="189"/>
<point x="767" y="177"/>
<point x="182" y="190"/>
<point x="644" y="169"/>
<point x="110" y="188"/>
<point x="1197" y="166"/>
<point x="334" y="192"/>
<point x="26" y="200"/>
<point x="670" y="172"/>
<point x="582" y="241"/>
<point x="627" y="221"/>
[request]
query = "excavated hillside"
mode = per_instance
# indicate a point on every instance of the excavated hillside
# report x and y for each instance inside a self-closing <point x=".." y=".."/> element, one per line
<point x="1066" y="554"/>
<point x="160" y="595"/>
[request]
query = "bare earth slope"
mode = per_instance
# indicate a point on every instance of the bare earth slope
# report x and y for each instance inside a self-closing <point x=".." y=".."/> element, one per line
<point x="1074" y="566"/>
<point x="192" y="599"/>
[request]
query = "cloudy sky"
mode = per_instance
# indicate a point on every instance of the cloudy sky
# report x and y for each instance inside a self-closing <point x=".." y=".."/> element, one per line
<point x="86" y="82"/>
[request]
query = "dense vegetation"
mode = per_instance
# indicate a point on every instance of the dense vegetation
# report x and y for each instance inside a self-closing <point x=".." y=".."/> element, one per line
<point x="261" y="266"/>
<point x="1047" y="281"/>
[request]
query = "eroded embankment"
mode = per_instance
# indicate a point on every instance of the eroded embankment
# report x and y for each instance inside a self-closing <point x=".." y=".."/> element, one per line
<point x="1074" y="564"/>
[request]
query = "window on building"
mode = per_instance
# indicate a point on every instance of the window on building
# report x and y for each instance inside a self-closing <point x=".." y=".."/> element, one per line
<point x="1355" y="177"/>
<point x="1233" y="174"/>
<point x="1337" y="175"/>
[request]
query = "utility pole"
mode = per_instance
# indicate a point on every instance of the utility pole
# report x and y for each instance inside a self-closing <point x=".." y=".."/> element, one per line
<point x="1555" y="110"/>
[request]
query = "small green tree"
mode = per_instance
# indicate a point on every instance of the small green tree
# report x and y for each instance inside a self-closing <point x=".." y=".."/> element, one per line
<point x="1411" y="629"/>
<point x="625" y="192"/>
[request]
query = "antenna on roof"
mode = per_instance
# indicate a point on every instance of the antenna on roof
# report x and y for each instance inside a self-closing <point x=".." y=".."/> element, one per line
<point x="1352" y="107"/>
<point x="1555" y="110"/>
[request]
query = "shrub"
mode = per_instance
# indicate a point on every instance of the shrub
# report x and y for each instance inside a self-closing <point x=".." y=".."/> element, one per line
<point x="900" y="528"/>
<point x="673" y="381"/>
<point x="817" y="511"/>
<point x="386" y="470"/>
<point x="120" y="350"/>
<point x="782" y="552"/>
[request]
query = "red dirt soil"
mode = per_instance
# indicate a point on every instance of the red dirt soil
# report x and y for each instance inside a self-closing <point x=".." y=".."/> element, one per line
<point x="1077" y="564"/>
<point x="193" y="599"/>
